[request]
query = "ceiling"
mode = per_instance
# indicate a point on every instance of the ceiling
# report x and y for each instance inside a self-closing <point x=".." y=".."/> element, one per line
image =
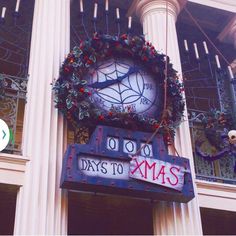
<point x="15" y="32"/>
<point x="209" y="18"/>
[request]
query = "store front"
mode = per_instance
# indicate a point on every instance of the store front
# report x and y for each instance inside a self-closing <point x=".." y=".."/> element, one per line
<point x="8" y="194"/>
<point x="108" y="215"/>
<point x="218" y="222"/>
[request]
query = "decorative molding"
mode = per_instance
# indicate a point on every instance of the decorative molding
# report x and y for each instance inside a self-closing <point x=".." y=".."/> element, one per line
<point x="148" y="7"/>
<point x="13" y="159"/>
<point x="216" y="195"/>
<point x="138" y="4"/>
<point x="12" y="169"/>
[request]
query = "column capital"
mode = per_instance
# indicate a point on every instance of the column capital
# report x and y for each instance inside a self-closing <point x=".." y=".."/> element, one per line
<point x="228" y="34"/>
<point x="143" y="7"/>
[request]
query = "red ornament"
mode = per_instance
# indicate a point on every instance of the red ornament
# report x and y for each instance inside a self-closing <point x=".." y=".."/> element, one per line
<point x="89" y="62"/>
<point x="81" y="90"/>
<point x="145" y="58"/>
<point x="123" y="36"/>
<point x="101" y="117"/>
<point x="67" y="69"/>
<point x="156" y="126"/>
<point x="89" y="93"/>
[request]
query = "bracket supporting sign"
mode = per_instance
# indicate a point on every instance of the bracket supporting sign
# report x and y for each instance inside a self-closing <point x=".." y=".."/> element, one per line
<point x="106" y="165"/>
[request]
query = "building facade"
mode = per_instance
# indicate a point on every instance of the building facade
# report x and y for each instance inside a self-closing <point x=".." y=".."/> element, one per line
<point x="31" y="169"/>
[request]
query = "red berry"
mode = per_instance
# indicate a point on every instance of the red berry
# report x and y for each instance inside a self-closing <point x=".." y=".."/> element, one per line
<point x="66" y="69"/>
<point x="81" y="90"/>
<point x="101" y="117"/>
<point x="124" y="36"/>
<point x="89" y="62"/>
<point x="145" y="58"/>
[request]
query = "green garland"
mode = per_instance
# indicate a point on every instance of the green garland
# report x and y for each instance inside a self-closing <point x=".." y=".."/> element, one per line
<point x="72" y="95"/>
<point x="217" y="124"/>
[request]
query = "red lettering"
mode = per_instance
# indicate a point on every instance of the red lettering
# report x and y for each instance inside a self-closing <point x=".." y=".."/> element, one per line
<point x="152" y="166"/>
<point x="162" y="172"/>
<point x="176" y="177"/>
<point x="138" y="167"/>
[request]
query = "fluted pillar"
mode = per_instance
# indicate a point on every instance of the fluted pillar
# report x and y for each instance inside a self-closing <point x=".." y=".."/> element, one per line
<point x="41" y="205"/>
<point x="170" y="218"/>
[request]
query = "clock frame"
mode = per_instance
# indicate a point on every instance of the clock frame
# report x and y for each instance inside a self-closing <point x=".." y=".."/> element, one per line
<point x="124" y="85"/>
<point x="74" y="93"/>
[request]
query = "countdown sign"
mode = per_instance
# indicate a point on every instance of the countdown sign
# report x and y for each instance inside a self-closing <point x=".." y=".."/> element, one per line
<point x="107" y="164"/>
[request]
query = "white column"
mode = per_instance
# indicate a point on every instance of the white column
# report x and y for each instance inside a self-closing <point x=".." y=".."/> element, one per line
<point x="170" y="218"/>
<point x="41" y="204"/>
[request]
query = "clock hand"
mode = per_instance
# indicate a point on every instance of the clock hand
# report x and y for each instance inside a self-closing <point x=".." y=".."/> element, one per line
<point x="104" y="84"/>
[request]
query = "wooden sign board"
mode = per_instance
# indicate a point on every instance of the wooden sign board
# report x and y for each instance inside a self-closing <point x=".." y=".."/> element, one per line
<point x="157" y="172"/>
<point x="105" y="165"/>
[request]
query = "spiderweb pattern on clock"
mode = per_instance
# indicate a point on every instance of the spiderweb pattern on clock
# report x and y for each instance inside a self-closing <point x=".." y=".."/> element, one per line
<point x="133" y="90"/>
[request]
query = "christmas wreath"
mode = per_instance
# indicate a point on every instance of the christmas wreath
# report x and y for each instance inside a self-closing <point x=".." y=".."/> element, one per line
<point x="2" y="86"/>
<point x="72" y="94"/>
<point x="217" y="124"/>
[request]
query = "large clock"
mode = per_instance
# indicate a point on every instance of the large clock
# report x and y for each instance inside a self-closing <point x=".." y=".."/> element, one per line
<point x="120" y="82"/>
<point x="124" y="85"/>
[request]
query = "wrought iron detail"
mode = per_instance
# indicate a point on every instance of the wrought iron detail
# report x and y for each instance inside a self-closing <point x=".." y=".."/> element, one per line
<point x="15" y="36"/>
<point x="208" y="87"/>
<point x="12" y="107"/>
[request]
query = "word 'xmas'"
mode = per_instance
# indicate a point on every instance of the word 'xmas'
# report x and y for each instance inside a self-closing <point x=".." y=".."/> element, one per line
<point x="157" y="172"/>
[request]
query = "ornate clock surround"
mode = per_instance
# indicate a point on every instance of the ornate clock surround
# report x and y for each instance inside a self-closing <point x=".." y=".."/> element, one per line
<point x="73" y="93"/>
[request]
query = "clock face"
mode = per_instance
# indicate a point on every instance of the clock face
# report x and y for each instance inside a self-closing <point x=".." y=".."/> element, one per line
<point x="123" y="85"/>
